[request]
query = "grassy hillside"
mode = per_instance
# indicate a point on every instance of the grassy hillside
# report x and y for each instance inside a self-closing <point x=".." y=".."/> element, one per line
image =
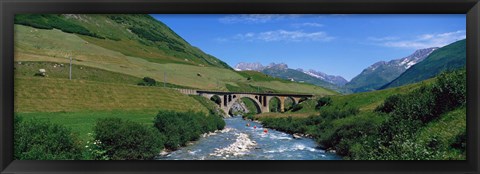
<point x="447" y="58"/>
<point x="92" y="95"/>
<point x="414" y="122"/>
<point x="32" y="44"/>
<point x="366" y="101"/>
<point x="36" y="94"/>
<point x="132" y="35"/>
<point x="370" y="80"/>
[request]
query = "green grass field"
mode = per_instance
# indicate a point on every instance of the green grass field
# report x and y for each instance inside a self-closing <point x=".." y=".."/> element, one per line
<point x="82" y="122"/>
<point x="56" y="46"/>
<point x="37" y="94"/>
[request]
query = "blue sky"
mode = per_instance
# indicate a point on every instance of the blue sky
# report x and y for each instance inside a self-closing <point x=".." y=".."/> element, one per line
<point x="334" y="44"/>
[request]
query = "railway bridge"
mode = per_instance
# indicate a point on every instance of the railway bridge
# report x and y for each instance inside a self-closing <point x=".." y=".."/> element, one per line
<point x="261" y="100"/>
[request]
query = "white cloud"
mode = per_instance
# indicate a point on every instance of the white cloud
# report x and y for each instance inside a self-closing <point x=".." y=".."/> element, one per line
<point x="426" y="40"/>
<point x="307" y="24"/>
<point x="255" y="18"/>
<point x="381" y="39"/>
<point x="284" y="35"/>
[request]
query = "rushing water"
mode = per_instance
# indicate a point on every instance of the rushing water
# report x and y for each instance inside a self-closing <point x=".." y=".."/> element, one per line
<point x="241" y="142"/>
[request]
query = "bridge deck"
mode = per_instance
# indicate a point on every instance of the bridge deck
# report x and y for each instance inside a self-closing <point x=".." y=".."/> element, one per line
<point x="255" y="93"/>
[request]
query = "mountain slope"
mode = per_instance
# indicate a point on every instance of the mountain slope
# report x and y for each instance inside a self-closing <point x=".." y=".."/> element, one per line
<point x="244" y="66"/>
<point x="97" y="41"/>
<point x="450" y="57"/>
<point x="383" y="72"/>
<point x="282" y="71"/>
<point x="132" y="35"/>
<point x="337" y="80"/>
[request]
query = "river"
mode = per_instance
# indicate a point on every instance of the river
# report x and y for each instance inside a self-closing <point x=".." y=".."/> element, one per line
<point x="237" y="141"/>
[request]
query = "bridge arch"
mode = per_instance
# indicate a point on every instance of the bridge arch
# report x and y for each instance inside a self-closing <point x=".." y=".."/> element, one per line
<point x="257" y="104"/>
<point x="257" y="108"/>
<point x="217" y="99"/>
<point x="225" y="100"/>
<point x="275" y="104"/>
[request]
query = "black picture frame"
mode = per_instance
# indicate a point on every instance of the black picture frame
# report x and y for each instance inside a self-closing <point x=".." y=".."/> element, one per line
<point x="8" y="8"/>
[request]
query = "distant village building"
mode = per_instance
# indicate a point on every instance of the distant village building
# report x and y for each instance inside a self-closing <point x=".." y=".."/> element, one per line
<point x="291" y="79"/>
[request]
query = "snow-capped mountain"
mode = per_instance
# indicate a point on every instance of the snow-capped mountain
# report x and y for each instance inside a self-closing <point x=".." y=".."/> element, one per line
<point x="337" y="80"/>
<point x="243" y="66"/>
<point x="382" y="72"/>
<point x="281" y="70"/>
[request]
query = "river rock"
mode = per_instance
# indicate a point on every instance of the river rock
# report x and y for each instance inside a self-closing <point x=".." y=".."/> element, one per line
<point x="241" y="146"/>
<point x="297" y="136"/>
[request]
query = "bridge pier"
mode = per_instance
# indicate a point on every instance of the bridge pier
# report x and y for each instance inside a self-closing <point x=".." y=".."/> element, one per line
<point x="262" y="101"/>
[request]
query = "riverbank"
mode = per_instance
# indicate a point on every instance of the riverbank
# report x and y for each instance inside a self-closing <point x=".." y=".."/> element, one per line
<point x="408" y="123"/>
<point x="237" y="141"/>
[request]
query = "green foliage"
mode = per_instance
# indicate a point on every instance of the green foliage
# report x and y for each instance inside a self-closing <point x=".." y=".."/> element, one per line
<point x="252" y="107"/>
<point x="42" y="140"/>
<point x="460" y="141"/>
<point x="274" y="104"/>
<point x="94" y="150"/>
<point x="248" y="116"/>
<point x="147" y="81"/>
<point x="336" y="112"/>
<point x="343" y="133"/>
<point x="427" y="122"/>
<point x="127" y="140"/>
<point x="181" y="127"/>
<point x="212" y="106"/>
<point x="389" y="104"/>
<point x="51" y="21"/>
<point x="450" y="90"/>
<point x="412" y="111"/>
<point x="323" y="101"/>
<point x="296" y="108"/>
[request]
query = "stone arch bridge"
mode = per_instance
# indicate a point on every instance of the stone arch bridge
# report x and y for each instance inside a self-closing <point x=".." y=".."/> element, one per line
<point x="262" y="100"/>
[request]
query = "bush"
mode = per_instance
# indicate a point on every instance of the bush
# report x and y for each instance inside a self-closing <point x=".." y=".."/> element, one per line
<point x="296" y="107"/>
<point x="408" y="113"/>
<point x="147" y="81"/>
<point x="324" y="101"/>
<point x="42" y="140"/>
<point x="460" y="141"/>
<point x="181" y="127"/>
<point x="450" y="90"/>
<point x="127" y="140"/>
<point x="286" y="124"/>
<point x="336" y="112"/>
<point x="389" y="104"/>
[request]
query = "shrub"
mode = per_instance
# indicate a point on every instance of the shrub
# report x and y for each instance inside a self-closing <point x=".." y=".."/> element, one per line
<point x="324" y="101"/>
<point x="389" y="104"/>
<point x="409" y="112"/>
<point x="147" y="81"/>
<point x="450" y="90"/>
<point x="336" y="112"/>
<point x="460" y="141"/>
<point x="296" y="107"/>
<point x="127" y="140"/>
<point x="181" y="127"/>
<point x="42" y="140"/>
<point x="286" y="124"/>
